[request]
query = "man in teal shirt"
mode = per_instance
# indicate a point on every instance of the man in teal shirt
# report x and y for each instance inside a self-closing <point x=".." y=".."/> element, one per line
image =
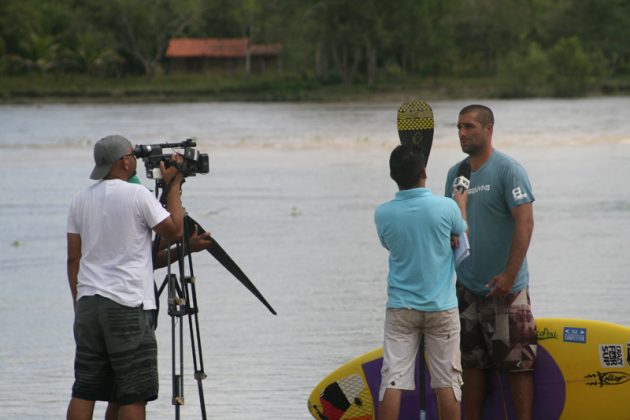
<point x="417" y="228"/>
<point x="497" y="326"/>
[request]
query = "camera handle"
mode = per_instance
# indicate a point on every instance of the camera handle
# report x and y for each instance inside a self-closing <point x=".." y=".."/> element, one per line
<point x="217" y="251"/>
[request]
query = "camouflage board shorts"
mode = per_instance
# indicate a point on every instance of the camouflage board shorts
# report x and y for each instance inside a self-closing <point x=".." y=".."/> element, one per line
<point x="497" y="332"/>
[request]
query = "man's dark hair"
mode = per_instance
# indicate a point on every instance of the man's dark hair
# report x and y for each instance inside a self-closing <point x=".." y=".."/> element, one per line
<point x="406" y="166"/>
<point x="484" y="114"/>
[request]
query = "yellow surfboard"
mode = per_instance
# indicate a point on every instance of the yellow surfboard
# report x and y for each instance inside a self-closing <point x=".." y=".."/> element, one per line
<point x="582" y="372"/>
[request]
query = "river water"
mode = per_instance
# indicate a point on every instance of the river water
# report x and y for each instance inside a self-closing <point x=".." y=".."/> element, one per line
<point x="290" y="195"/>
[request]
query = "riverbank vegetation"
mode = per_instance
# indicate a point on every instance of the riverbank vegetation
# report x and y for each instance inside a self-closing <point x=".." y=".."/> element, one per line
<point x="115" y="50"/>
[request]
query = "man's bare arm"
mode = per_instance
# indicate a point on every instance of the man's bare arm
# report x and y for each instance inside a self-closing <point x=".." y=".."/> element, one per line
<point x="73" y="261"/>
<point x="502" y="284"/>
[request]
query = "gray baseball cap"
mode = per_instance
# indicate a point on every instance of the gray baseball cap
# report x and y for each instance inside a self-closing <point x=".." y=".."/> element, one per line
<point x="107" y="151"/>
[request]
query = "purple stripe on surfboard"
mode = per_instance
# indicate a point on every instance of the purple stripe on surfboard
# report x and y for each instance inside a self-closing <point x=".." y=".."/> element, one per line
<point x="549" y="391"/>
<point x="410" y="402"/>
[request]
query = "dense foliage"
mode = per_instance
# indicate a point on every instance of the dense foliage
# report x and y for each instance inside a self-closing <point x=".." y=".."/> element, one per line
<point x="523" y="44"/>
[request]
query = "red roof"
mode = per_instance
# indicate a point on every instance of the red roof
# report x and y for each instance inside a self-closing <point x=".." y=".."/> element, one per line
<point x="217" y="48"/>
<point x="207" y="47"/>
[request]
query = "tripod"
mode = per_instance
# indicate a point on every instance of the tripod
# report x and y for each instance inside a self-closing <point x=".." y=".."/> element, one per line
<point x="182" y="302"/>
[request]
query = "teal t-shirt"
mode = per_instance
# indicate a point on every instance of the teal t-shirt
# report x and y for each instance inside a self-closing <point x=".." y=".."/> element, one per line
<point x="416" y="228"/>
<point x="498" y="186"/>
<point x="134" y="179"/>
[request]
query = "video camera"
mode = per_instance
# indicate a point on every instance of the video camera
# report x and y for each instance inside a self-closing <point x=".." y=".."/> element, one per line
<point x="152" y="155"/>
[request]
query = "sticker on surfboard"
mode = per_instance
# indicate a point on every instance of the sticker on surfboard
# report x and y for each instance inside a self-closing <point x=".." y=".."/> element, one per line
<point x="415" y="125"/>
<point x="611" y="355"/>
<point x="574" y="335"/>
<point x="345" y="398"/>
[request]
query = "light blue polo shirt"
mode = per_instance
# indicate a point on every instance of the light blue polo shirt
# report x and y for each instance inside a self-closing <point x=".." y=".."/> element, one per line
<point x="495" y="188"/>
<point x="416" y="228"/>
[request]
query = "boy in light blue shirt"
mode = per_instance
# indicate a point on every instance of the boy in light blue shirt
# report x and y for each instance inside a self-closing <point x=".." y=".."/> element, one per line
<point x="417" y="228"/>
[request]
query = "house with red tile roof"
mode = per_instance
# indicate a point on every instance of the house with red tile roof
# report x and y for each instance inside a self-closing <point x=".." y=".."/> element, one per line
<point x="223" y="54"/>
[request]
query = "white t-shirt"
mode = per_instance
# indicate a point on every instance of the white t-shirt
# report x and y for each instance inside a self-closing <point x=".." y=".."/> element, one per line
<point x="114" y="219"/>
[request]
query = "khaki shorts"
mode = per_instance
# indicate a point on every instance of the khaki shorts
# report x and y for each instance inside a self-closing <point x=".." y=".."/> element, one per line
<point x="497" y="332"/>
<point x="403" y="329"/>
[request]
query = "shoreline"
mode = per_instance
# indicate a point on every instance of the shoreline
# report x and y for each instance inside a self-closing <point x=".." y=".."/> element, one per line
<point x="50" y="89"/>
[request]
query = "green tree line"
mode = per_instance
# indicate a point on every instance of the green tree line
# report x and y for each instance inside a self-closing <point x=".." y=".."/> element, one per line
<point x="521" y="44"/>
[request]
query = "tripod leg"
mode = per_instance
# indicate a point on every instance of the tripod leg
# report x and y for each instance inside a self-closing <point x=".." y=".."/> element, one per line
<point x="195" y="340"/>
<point x="176" y="309"/>
<point x="193" y="319"/>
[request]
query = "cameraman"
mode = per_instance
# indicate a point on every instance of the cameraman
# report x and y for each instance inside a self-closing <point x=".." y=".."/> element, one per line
<point x="109" y="271"/>
<point x="196" y="242"/>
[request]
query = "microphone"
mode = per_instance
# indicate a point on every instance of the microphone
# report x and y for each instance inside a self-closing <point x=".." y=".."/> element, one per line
<point x="462" y="181"/>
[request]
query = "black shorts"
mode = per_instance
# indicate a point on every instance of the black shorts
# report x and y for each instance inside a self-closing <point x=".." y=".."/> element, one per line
<point x="116" y="353"/>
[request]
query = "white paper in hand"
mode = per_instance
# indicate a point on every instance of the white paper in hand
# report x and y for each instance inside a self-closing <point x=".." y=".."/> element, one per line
<point x="463" y="250"/>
